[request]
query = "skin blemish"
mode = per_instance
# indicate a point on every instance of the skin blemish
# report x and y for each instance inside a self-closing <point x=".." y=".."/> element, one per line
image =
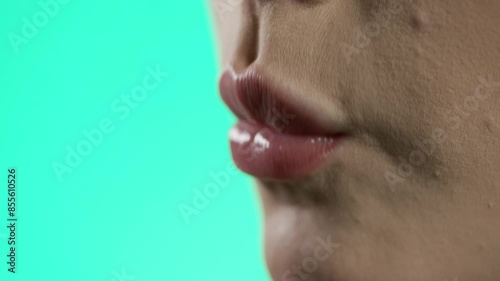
<point x="488" y="126"/>
<point x="419" y="19"/>
<point x="491" y="125"/>
<point x="419" y="50"/>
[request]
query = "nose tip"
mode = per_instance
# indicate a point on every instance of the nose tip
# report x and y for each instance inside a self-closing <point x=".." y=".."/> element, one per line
<point x="247" y="41"/>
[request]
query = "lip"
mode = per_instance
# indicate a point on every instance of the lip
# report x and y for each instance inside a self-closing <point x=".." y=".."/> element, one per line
<point x="275" y="137"/>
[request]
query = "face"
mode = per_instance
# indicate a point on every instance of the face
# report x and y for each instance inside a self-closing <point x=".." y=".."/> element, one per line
<point x="372" y="130"/>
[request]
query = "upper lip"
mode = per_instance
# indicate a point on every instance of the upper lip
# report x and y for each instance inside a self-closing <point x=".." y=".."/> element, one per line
<point x="254" y="98"/>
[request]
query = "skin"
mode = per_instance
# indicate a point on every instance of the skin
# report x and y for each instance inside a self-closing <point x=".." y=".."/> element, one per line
<point x="431" y="74"/>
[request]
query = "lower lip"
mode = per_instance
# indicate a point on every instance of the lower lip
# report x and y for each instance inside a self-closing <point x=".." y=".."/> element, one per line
<point x="267" y="154"/>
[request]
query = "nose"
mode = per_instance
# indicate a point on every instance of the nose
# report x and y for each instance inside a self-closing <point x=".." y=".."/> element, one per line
<point x="260" y="22"/>
<point x="246" y="41"/>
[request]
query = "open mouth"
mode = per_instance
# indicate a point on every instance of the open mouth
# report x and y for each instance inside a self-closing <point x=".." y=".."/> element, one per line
<point x="275" y="137"/>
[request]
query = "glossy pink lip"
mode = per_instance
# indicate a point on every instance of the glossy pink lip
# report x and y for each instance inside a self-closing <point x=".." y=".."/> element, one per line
<point x="275" y="138"/>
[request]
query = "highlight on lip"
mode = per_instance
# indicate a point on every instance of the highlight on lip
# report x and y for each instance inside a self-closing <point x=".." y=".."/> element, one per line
<point x="264" y="153"/>
<point x="274" y="139"/>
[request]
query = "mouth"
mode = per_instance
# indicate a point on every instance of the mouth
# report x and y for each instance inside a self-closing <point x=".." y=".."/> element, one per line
<point x="276" y="137"/>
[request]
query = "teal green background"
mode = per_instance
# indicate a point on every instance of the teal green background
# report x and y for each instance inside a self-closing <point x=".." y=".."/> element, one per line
<point x="119" y="208"/>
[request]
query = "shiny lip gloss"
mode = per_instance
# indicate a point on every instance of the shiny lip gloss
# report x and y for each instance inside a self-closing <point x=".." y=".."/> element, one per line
<point x="274" y="138"/>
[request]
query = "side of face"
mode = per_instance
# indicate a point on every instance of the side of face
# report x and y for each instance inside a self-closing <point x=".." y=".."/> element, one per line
<point x="416" y="85"/>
